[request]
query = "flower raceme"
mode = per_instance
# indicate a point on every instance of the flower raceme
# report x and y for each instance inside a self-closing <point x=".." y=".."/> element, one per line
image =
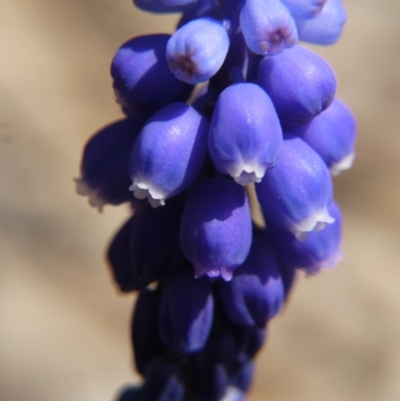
<point x="264" y="113"/>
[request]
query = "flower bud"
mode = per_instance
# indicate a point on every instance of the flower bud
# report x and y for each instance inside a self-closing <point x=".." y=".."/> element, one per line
<point x="119" y="258"/>
<point x="320" y="249"/>
<point x="169" y="153"/>
<point x="267" y="26"/>
<point x="256" y="292"/>
<point x="327" y="28"/>
<point x="332" y="135"/>
<point x="197" y="50"/>
<point x="245" y="135"/>
<point x="301" y="84"/>
<point x="216" y="228"/>
<point x="144" y="330"/>
<point x="105" y="163"/>
<point x="305" y="9"/>
<point x="142" y="79"/>
<point x="155" y="250"/>
<point x="295" y="195"/>
<point x="187" y="308"/>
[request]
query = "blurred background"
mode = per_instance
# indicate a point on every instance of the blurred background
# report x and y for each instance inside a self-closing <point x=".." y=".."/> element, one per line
<point x="64" y="329"/>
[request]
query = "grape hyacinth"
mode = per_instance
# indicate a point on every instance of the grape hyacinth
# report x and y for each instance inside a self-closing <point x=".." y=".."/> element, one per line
<point x="230" y="104"/>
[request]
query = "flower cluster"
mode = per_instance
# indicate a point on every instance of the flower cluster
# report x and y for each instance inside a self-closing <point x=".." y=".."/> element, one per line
<point x="228" y="102"/>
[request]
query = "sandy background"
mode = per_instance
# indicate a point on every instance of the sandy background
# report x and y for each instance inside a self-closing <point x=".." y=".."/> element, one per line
<point x="63" y="327"/>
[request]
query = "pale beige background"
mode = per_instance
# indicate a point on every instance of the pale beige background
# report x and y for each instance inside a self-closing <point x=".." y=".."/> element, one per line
<point x="64" y="329"/>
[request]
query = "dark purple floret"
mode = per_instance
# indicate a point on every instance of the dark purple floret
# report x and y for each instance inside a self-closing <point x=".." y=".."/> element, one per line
<point x="320" y="249"/>
<point x="144" y="331"/>
<point x="256" y="292"/>
<point x="105" y="163"/>
<point x="187" y="308"/>
<point x="119" y="258"/>
<point x="216" y="228"/>
<point x="155" y="250"/>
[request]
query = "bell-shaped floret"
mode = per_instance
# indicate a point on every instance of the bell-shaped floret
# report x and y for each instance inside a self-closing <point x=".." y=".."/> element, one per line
<point x="295" y="195"/>
<point x="245" y="136"/>
<point x="105" y="163"/>
<point x="300" y="83"/>
<point x="142" y="79"/>
<point x="332" y="135"/>
<point x="319" y="250"/>
<point x="216" y="228"/>
<point x="187" y="308"/>
<point x="197" y="50"/>
<point x="267" y="26"/>
<point x="163" y="382"/>
<point x="146" y="342"/>
<point x="305" y="9"/>
<point x="168" y="153"/>
<point x="119" y="258"/>
<point x="327" y="28"/>
<point x="256" y="292"/>
<point x="155" y="249"/>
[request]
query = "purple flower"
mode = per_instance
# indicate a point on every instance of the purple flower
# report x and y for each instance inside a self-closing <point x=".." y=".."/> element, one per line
<point x="197" y="50"/>
<point x="142" y="80"/>
<point x="169" y="153"/>
<point x="245" y="136"/>
<point x="306" y="9"/>
<point x="267" y="26"/>
<point x="216" y="228"/>
<point x="256" y="292"/>
<point x="332" y="135"/>
<point x="319" y="250"/>
<point x="295" y="195"/>
<point x="187" y="308"/>
<point x="327" y="28"/>
<point x="300" y="83"/>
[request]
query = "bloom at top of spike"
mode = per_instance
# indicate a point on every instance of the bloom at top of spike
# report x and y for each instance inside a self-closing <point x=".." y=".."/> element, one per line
<point x="306" y="9"/>
<point x="197" y="50"/>
<point x="267" y="26"/>
<point x="327" y="28"/>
